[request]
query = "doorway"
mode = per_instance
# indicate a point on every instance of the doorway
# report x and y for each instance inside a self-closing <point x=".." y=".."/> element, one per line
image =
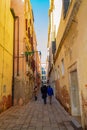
<point x="74" y="89"/>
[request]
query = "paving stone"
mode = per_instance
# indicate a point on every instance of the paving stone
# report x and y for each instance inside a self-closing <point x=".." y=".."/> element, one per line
<point x="54" y="124"/>
<point x="36" y="116"/>
<point x="39" y="124"/>
<point x="55" y="128"/>
<point x="39" y="128"/>
<point x="10" y="126"/>
<point x="46" y="123"/>
<point x="25" y="126"/>
<point x="31" y="128"/>
<point x="46" y="128"/>
<point x="16" y="128"/>
<point x="61" y="126"/>
<point x="68" y="126"/>
<point x="8" y="129"/>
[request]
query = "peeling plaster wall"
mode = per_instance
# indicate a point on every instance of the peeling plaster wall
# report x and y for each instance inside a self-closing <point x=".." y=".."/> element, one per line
<point x="6" y="55"/>
<point x="74" y="53"/>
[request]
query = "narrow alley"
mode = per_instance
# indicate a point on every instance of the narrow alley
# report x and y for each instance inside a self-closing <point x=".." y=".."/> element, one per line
<point x="43" y="43"/>
<point x="36" y="116"/>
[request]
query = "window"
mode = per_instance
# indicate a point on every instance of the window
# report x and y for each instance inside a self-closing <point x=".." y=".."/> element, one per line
<point x="62" y="66"/>
<point x="58" y="72"/>
<point x="53" y="46"/>
<point x="43" y="72"/>
<point x="28" y="32"/>
<point x="26" y="24"/>
<point x="66" y="4"/>
<point x="42" y="69"/>
<point x="43" y="77"/>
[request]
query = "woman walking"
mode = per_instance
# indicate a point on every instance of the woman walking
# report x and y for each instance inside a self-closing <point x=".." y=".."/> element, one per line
<point x="50" y="93"/>
<point x="35" y="93"/>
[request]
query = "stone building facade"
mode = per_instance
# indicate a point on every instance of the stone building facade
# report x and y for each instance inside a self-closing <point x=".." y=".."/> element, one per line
<point x="69" y="59"/>
<point x="24" y="46"/>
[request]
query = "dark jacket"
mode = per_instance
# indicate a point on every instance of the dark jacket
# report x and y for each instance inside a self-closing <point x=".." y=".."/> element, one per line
<point x="44" y="91"/>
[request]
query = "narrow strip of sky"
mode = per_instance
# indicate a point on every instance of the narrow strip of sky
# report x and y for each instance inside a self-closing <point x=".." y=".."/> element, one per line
<point x="40" y="10"/>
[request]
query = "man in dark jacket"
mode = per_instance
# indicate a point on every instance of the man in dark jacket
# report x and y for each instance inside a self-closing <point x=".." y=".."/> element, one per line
<point x="44" y="93"/>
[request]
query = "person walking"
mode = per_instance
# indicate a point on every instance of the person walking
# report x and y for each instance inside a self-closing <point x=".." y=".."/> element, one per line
<point x="35" y="93"/>
<point x="50" y="93"/>
<point x="44" y="93"/>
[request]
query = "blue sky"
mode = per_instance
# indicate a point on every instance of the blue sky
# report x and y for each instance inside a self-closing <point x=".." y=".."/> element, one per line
<point x="40" y="10"/>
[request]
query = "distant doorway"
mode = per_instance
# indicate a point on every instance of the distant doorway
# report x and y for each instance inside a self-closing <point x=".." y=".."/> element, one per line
<point x="74" y="89"/>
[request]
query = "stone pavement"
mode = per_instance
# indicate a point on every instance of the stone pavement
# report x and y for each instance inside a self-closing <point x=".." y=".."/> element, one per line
<point x="36" y="116"/>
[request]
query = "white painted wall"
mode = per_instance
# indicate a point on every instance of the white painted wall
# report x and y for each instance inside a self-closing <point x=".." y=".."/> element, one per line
<point x="57" y="14"/>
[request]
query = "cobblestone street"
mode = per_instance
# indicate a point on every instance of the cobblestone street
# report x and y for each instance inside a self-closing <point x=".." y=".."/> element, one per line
<point x="36" y="116"/>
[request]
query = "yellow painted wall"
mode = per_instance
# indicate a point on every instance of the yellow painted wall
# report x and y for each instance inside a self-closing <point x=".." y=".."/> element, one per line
<point x="6" y="49"/>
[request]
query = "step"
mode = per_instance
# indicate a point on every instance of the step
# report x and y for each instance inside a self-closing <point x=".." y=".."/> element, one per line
<point x="76" y="124"/>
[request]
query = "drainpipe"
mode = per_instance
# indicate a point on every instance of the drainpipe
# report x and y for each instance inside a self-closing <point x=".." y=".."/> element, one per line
<point x="12" y="11"/>
<point x="17" y="18"/>
<point x="13" y="64"/>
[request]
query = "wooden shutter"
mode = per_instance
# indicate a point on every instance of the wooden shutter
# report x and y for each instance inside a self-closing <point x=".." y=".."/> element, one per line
<point x="65" y="6"/>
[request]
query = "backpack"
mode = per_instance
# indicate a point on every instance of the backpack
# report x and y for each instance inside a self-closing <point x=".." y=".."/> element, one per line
<point x="50" y="91"/>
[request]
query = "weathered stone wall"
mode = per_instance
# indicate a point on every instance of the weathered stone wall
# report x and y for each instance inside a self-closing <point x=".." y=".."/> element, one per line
<point x="62" y="95"/>
<point x="5" y="103"/>
<point x="23" y="90"/>
<point x="74" y="52"/>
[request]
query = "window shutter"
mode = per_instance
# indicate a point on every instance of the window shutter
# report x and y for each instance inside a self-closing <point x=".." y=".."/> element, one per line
<point x="53" y="46"/>
<point x="29" y="33"/>
<point x="65" y="6"/>
<point x="27" y="58"/>
<point x="26" y="24"/>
